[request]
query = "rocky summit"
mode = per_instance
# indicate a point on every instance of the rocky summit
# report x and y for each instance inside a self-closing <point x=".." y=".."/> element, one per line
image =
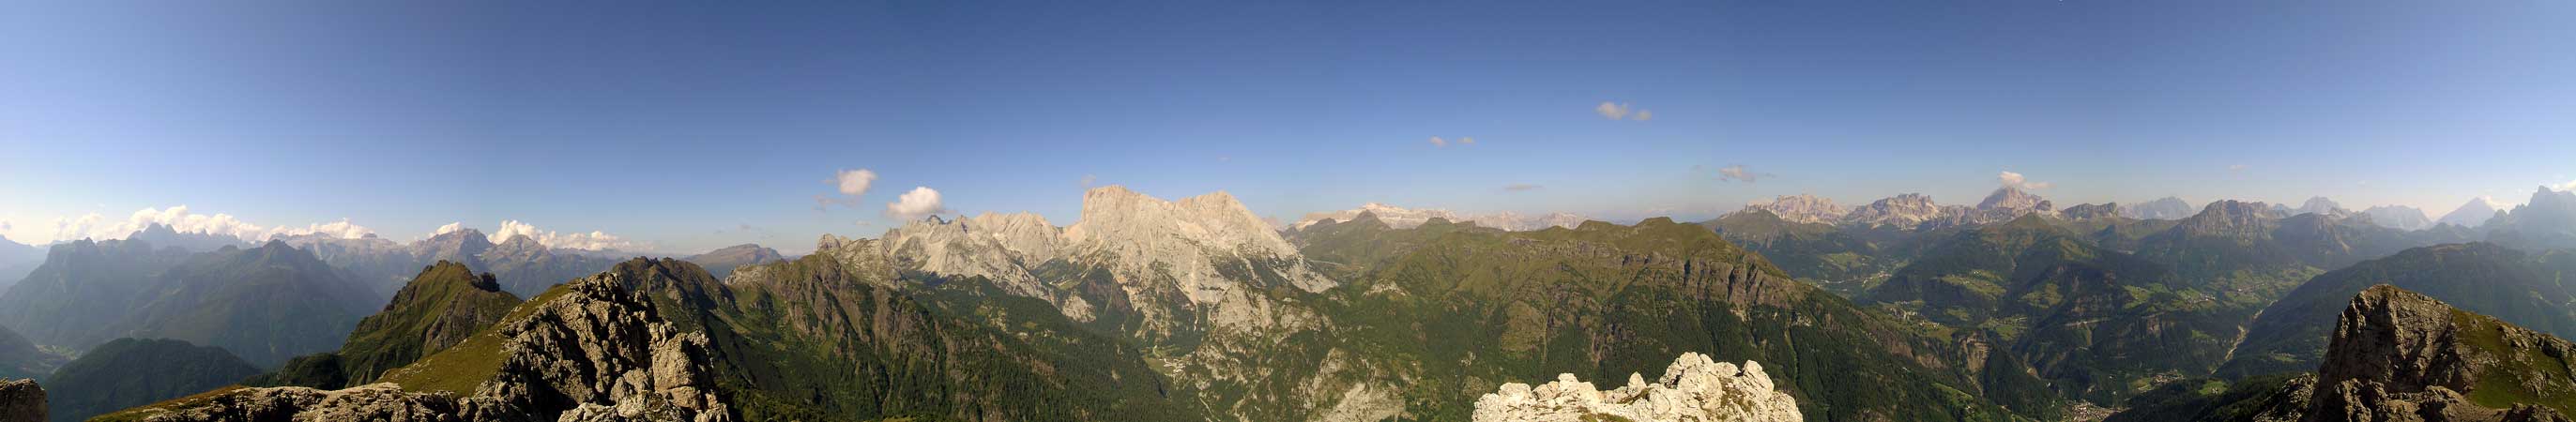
<point x="1169" y="259"/>
<point x="1802" y="208"/>
<point x="1694" y="388"/>
<point x="592" y="350"/>
<point x="2398" y="355"/>
<point x="21" y="401"/>
<point x="1901" y="211"/>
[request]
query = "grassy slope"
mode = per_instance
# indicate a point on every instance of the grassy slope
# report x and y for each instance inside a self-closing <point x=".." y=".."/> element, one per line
<point x="1479" y="309"/>
<point x="446" y="298"/>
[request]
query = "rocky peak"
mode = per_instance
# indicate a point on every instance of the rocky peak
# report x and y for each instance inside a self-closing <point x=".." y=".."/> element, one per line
<point x="2166" y="208"/>
<point x="462" y="245"/>
<point x="2398" y="217"/>
<point x="22" y="401"/>
<point x="1693" y="388"/>
<point x="2548" y="213"/>
<point x="2092" y="211"/>
<point x="1802" y="208"/>
<point x="1006" y="248"/>
<point x="1907" y="211"/>
<point x="2471" y="214"/>
<point x="2400" y="355"/>
<point x="2230" y="217"/>
<point x="2013" y="199"/>
<point x="2319" y="204"/>
<point x="1183" y="237"/>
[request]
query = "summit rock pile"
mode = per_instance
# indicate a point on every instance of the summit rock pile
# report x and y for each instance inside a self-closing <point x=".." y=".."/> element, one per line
<point x="1694" y="388"/>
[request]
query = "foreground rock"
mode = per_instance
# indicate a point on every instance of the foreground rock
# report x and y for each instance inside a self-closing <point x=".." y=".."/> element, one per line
<point x="596" y="351"/>
<point x="21" y="401"/>
<point x="1694" y="388"/>
<point x="2398" y="356"/>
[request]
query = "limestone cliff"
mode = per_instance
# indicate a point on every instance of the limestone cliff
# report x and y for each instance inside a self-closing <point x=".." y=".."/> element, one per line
<point x="1694" y="388"/>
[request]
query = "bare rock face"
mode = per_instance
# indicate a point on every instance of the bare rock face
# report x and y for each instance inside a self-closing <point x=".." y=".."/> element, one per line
<point x="598" y="352"/>
<point x="1171" y="259"/>
<point x="1802" y="208"/>
<point x="1007" y="248"/>
<point x="22" y="401"/>
<point x="2092" y="211"/>
<point x="1694" y="388"/>
<point x="1902" y="211"/>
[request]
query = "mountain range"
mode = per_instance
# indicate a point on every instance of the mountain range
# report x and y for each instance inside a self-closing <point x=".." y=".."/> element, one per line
<point x="265" y="304"/>
<point x="1198" y="309"/>
<point x="2166" y="208"/>
<point x="722" y="261"/>
<point x="1401" y="217"/>
<point x="523" y="265"/>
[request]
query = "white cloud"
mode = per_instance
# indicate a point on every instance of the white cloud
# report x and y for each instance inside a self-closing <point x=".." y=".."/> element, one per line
<point x="1466" y="141"/>
<point x="854" y="182"/>
<point x="2236" y="167"/>
<point x="1621" y="111"/>
<point x="1521" y="187"/>
<point x="449" y="228"/>
<point x="2016" y="181"/>
<point x="181" y="219"/>
<point x="89" y="226"/>
<point x="340" y="229"/>
<point x="1739" y="173"/>
<point x="514" y="228"/>
<point x="594" y="240"/>
<point x="1437" y="142"/>
<point x="1611" y="110"/>
<point x="921" y="201"/>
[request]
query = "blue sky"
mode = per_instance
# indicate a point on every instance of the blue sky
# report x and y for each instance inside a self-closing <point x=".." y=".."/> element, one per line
<point x="692" y="126"/>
